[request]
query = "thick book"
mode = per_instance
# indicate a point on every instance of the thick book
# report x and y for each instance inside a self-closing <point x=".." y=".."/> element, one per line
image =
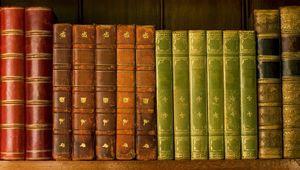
<point x="215" y="94"/>
<point x="62" y="95"/>
<point x="12" y="84"/>
<point x="83" y="92"/>
<point x="181" y="98"/>
<point x="290" y="41"/>
<point x="232" y="109"/>
<point x="164" y="94"/>
<point x="106" y="86"/>
<point x="38" y="83"/>
<point x="248" y="82"/>
<point x="145" y="93"/>
<point x="198" y="104"/>
<point x="267" y="27"/>
<point x="125" y="138"/>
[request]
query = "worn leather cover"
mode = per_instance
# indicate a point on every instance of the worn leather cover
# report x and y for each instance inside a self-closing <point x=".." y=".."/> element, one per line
<point x="12" y="84"/>
<point x="106" y="86"/>
<point x="267" y="26"/>
<point x="62" y="84"/>
<point x="83" y="95"/>
<point x="290" y="37"/>
<point x="38" y="84"/>
<point x="125" y="139"/>
<point x="146" y="145"/>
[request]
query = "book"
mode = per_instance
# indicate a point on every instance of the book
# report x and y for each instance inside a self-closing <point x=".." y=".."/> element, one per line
<point x="181" y="98"/>
<point x="38" y="83"/>
<point x="248" y="94"/>
<point x="232" y="108"/>
<point x="290" y="31"/>
<point x="12" y="83"/>
<point x="164" y="94"/>
<point x="83" y="92"/>
<point x="106" y="86"/>
<point x="267" y="26"/>
<point x="62" y="91"/>
<point x="215" y="94"/>
<point x="198" y="104"/>
<point x="145" y="93"/>
<point x="125" y="138"/>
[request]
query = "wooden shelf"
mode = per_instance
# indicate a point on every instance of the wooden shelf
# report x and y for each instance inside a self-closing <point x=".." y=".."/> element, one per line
<point x="154" y="165"/>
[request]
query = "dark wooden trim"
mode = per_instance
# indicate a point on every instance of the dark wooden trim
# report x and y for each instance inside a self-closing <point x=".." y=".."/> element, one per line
<point x="162" y="17"/>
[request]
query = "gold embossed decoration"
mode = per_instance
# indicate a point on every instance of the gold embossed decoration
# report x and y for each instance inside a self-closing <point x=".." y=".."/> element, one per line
<point x="126" y="35"/>
<point x="105" y="100"/>
<point x="83" y="100"/>
<point x="61" y="99"/>
<point x="84" y="34"/>
<point x="62" y="34"/>
<point x="106" y="35"/>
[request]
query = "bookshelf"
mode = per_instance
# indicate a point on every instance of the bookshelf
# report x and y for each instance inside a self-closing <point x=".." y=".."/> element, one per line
<point x="164" y="14"/>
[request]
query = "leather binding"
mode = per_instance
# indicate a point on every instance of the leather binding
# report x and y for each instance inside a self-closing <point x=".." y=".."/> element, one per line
<point x="249" y="139"/>
<point x="215" y="94"/>
<point x="164" y="94"/>
<point x="198" y="104"/>
<point x="83" y="92"/>
<point x="290" y="41"/>
<point x="62" y="84"/>
<point x="181" y="97"/>
<point x="125" y="139"/>
<point x="106" y="85"/>
<point x="267" y="26"/>
<point x="232" y="106"/>
<point x="145" y="93"/>
<point x="12" y="84"/>
<point x="38" y="83"/>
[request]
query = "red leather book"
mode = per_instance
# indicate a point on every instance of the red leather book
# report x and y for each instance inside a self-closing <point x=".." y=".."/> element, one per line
<point x="105" y="91"/>
<point x="145" y="93"/>
<point x="38" y="83"/>
<point x="12" y="91"/>
<point x="125" y="139"/>
<point x="83" y="92"/>
<point x="62" y="84"/>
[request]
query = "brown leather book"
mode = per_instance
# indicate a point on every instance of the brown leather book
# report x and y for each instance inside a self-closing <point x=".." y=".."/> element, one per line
<point x="12" y="91"/>
<point x="38" y="84"/>
<point x="125" y="139"/>
<point x="105" y="91"/>
<point x="145" y="93"/>
<point x="62" y="84"/>
<point x="83" y="95"/>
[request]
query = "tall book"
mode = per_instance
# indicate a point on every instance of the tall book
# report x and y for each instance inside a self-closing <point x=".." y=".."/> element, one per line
<point x="38" y="84"/>
<point x="248" y="94"/>
<point x="290" y="38"/>
<point x="232" y="109"/>
<point x="106" y="85"/>
<point x="164" y="94"/>
<point x="181" y="98"/>
<point x="62" y="95"/>
<point x="83" y="92"/>
<point x="12" y="76"/>
<point x="215" y="94"/>
<point x="198" y="104"/>
<point x="125" y="138"/>
<point x="145" y="93"/>
<point x="267" y="26"/>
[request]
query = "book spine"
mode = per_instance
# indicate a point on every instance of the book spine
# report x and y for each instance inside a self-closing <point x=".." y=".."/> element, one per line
<point x="248" y="94"/>
<point x="83" y="95"/>
<point x="232" y="109"/>
<point x="145" y="93"/>
<point x="12" y="84"/>
<point x="290" y="38"/>
<point x="38" y="83"/>
<point x="266" y="23"/>
<point x="125" y="139"/>
<point x="106" y="85"/>
<point x="62" y="86"/>
<point x="181" y="98"/>
<point x="198" y="104"/>
<point x="164" y="94"/>
<point x="215" y="94"/>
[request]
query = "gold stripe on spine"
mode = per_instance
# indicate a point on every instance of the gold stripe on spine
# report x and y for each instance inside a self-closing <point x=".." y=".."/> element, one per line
<point x="268" y="58"/>
<point x="38" y="9"/>
<point x="269" y="127"/>
<point x="12" y="153"/>
<point x="268" y="35"/>
<point x="286" y="79"/>
<point x="7" y="102"/>
<point x="12" y="32"/>
<point x="39" y="56"/>
<point x="270" y="104"/>
<point x="269" y="80"/>
<point x="12" y="56"/>
<point x="38" y="102"/>
<point x="13" y="7"/>
<point x="290" y="55"/>
<point x="19" y="125"/>
<point x="290" y="35"/>
<point x="38" y="151"/>
<point x="41" y="78"/>
<point x="38" y="126"/>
